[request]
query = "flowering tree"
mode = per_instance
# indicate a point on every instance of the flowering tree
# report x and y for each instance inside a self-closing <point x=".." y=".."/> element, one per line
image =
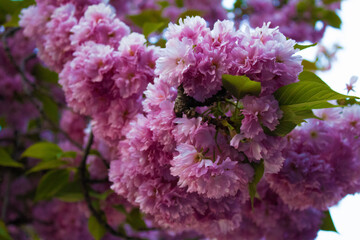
<point x="170" y="120"/>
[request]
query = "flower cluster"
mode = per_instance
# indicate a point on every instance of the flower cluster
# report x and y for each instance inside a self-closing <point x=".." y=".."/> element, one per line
<point x="295" y="18"/>
<point x="322" y="161"/>
<point x="185" y="171"/>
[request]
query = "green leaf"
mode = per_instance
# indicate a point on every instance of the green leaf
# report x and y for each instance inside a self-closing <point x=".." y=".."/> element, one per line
<point x="51" y="183"/>
<point x="69" y="154"/>
<point x="2" y="123"/>
<point x="10" y="10"/>
<point x="45" y="74"/>
<point x="101" y="196"/>
<point x="179" y="3"/>
<point x="239" y="86"/>
<point x="310" y="66"/>
<point x="189" y="13"/>
<point x="147" y="16"/>
<point x="46" y="165"/>
<point x="327" y="223"/>
<point x="258" y="174"/>
<point x="298" y="99"/>
<point x="330" y="1"/>
<point x="331" y="18"/>
<point x="43" y="150"/>
<point x="71" y="192"/>
<point x="163" y="4"/>
<point x="4" y="234"/>
<point x="120" y="208"/>
<point x="7" y="161"/>
<point x="49" y="107"/>
<point x="135" y="220"/>
<point x="309" y="93"/>
<point x="95" y="228"/>
<point x="302" y="47"/>
<point x="149" y="27"/>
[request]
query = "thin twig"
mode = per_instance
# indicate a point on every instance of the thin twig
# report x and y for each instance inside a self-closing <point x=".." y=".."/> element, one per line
<point x="8" y="178"/>
<point x="84" y="181"/>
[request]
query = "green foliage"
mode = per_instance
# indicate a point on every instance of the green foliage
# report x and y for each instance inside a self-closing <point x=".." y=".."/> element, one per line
<point x="47" y="165"/>
<point x="239" y="86"/>
<point x="150" y="27"/>
<point x="327" y="223"/>
<point x="147" y="16"/>
<point x="9" y="8"/>
<point x="51" y="183"/>
<point x="7" y="161"/>
<point x="71" y="192"/>
<point x="95" y="228"/>
<point x="259" y="169"/>
<point x="302" y="47"/>
<point x="43" y="150"/>
<point x="135" y="219"/>
<point x="309" y="66"/>
<point x="4" y="234"/>
<point x="44" y="74"/>
<point x="331" y="18"/>
<point x="298" y="99"/>
<point x="189" y="13"/>
<point x="163" y="4"/>
<point x="179" y="3"/>
<point x="49" y="107"/>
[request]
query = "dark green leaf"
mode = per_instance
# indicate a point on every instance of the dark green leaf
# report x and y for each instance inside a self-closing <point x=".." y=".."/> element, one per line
<point x="291" y="118"/>
<point x="238" y="3"/>
<point x="101" y="196"/>
<point x="179" y="3"/>
<point x="44" y="74"/>
<point x="4" y="234"/>
<point x="43" y="150"/>
<point x="71" y="192"/>
<point x="51" y="183"/>
<point x="135" y="220"/>
<point x="149" y="27"/>
<point x="327" y="223"/>
<point x="239" y="86"/>
<point x="7" y="161"/>
<point x="46" y="165"/>
<point x="258" y="174"/>
<point x="49" y="107"/>
<point x="302" y="47"/>
<point x="10" y="10"/>
<point x="330" y="1"/>
<point x="120" y="208"/>
<point x="95" y="228"/>
<point x="2" y="123"/>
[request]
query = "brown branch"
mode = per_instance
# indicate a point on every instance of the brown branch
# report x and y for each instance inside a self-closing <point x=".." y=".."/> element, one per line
<point x="84" y="181"/>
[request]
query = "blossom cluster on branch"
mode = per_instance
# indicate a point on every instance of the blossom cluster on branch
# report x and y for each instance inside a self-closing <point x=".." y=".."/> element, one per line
<point x="200" y="133"/>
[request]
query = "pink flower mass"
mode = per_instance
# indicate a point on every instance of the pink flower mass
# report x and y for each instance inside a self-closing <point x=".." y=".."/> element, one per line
<point x="181" y="131"/>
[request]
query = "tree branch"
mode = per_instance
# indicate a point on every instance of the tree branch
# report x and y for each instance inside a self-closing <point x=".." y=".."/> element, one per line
<point x="84" y="181"/>
<point x="185" y="104"/>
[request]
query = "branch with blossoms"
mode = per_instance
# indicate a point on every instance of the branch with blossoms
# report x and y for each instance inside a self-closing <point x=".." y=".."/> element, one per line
<point x="205" y="137"/>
